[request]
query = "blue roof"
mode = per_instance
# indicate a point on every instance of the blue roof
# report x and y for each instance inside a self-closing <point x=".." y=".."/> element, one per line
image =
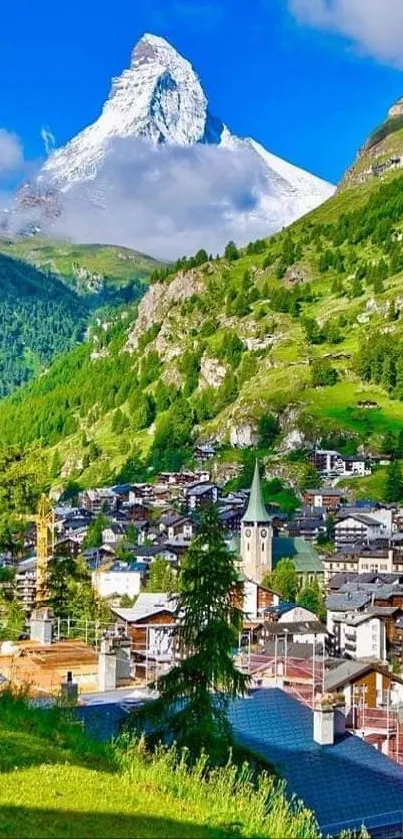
<point x="346" y="785"/>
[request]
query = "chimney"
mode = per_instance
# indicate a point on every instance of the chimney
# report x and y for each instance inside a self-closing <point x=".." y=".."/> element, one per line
<point x="40" y="624"/>
<point x="107" y="666"/>
<point x="323" y="722"/>
<point x="69" y="691"/>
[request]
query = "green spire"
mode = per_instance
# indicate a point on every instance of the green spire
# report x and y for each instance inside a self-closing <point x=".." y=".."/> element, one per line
<point x="256" y="511"/>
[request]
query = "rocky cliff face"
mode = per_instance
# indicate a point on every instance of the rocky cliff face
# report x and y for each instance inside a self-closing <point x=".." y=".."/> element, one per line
<point x="382" y="152"/>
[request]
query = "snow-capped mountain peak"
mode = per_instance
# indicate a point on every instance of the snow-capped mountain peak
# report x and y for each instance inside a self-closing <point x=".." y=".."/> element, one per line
<point x="156" y="149"/>
<point x="158" y="98"/>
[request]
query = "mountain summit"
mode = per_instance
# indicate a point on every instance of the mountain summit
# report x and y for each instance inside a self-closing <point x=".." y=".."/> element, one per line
<point x="158" y="103"/>
<point x="159" y="98"/>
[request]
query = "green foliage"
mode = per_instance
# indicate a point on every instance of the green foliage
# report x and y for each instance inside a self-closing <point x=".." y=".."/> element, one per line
<point x="283" y="580"/>
<point x="322" y="373"/>
<point x="39" y="318"/>
<point x="231" y="252"/>
<point x="161" y="576"/>
<point x="229" y="348"/>
<point x="311" y="597"/>
<point x="393" y="489"/>
<point x="268" y="430"/>
<point x="172" y="442"/>
<point x="93" y="537"/>
<point x="143" y="410"/>
<point x="194" y="695"/>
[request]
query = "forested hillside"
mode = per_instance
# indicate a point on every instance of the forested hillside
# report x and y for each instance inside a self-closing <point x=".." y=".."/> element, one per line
<point x="280" y="345"/>
<point x="100" y="271"/>
<point x="39" y="318"/>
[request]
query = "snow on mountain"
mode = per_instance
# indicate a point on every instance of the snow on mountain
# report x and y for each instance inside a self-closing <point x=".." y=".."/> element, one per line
<point x="158" y="98"/>
<point x="159" y="102"/>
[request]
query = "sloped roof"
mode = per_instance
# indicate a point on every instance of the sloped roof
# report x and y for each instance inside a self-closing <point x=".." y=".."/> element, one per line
<point x="346" y="785"/>
<point x="302" y="553"/>
<point x="148" y="604"/>
<point x="256" y="511"/>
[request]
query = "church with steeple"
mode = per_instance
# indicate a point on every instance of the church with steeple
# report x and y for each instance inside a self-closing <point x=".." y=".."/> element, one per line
<point x="256" y="535"/>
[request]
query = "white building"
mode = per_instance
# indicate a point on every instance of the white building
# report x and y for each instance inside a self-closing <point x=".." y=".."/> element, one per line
<point x="357" y="528"/>
<point x="121" y="579"/>
<point x="361" y="636"/>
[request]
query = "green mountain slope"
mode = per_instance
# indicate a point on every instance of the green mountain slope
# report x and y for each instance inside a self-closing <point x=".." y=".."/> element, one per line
<point x="39" y="318"/>
<point x="305" y="326"/>
<point x="88" y="269"/>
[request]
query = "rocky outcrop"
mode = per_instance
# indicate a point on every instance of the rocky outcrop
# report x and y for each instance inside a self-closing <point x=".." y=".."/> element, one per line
<point x="212" y="372"/>
<point x="243" y="436"/>
<point x="156" y="304"/>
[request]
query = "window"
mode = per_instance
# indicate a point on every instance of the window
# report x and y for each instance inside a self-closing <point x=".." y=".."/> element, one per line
<point x="248" y="546"/>
<point x="262" y="547"/>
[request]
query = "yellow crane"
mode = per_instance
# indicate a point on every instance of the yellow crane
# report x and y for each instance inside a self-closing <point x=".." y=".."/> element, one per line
<point x="45" y="544"/>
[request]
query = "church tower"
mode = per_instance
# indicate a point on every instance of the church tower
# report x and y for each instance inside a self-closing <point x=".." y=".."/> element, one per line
<point x="256" y="534"/>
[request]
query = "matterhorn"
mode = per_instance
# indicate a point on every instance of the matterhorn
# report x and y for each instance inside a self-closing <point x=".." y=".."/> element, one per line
<point x="160" y="104"/>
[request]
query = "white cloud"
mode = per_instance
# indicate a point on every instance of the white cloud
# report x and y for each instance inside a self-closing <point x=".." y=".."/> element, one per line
<point x="169" y="200"/>
<point x="11" y="153"/>
<point x="374" y="26"/>
<point x="48" y="139"/>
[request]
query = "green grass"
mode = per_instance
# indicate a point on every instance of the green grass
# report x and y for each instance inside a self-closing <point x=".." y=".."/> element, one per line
<point x="371" y="487"/>
<point x="56" y="783"/>
<point x="117" y="265"/>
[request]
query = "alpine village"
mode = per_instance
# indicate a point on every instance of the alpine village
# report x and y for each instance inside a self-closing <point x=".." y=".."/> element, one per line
<point x="201" y="519"/>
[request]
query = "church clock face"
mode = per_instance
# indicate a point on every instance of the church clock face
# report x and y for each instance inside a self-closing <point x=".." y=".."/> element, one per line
<point x="247" y="532"/>
<point x="263" y="534"/>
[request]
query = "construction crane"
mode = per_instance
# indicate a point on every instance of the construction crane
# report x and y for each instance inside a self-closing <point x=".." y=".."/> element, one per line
<point x="45" y="544"/>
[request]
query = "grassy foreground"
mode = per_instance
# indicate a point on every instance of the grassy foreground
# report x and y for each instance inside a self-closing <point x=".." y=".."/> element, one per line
<point x="58" y="783"/>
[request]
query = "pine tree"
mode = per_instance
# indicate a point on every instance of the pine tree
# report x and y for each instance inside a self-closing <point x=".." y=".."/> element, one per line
<point x="393" y="490"/>
<point x="194" y="695"/>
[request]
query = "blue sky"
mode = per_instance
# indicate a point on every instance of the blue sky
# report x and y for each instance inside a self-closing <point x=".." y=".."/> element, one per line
<point x="307" y="78"/>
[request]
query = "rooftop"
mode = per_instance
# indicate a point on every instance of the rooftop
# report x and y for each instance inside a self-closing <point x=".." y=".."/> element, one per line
<point x="347" y="784"/>
<point x="256" y="511"/>
<point x="302" y="553"/>
<point x="147" y="604"/>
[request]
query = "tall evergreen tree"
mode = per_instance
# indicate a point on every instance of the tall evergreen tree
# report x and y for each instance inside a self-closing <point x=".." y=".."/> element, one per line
<point x="194" y="695"/>
<point x="393" y="490"/>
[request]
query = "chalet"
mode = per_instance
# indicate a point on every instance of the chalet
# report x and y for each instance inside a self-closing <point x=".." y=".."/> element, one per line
<point x="113" y="534"/>
<point x="138" y="511"/>
<point x="357" y="529"/>
<point x="324" y="460"/>
<point x="150" y="625"/>
<point x="99" y="501"/>
<point x="329" y="499"/>
<point x="68" y="545"/>
<point x="205" y="451"/>
<point x="304" y="631"/>
<point x="309" y="528"/>
<point x="182" y="527"/>
<point x="254" y="599"/>
<point x="201" y="494"/>
<point x="230" y="519"/>
<point x="352" y="678"/>
<point x="363" y="560"/>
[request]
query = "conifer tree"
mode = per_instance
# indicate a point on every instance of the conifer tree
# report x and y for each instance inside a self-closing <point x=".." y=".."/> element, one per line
<point x="194" y="695"/>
